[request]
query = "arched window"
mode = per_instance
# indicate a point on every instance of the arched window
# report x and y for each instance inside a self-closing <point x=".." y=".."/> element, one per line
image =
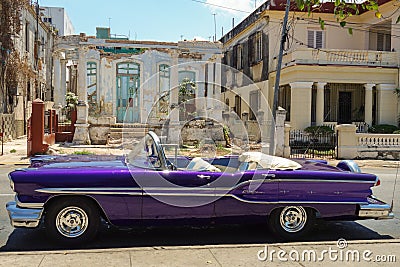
<point x="91" y="81"/>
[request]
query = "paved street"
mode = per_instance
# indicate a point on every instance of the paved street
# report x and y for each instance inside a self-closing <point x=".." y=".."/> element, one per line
<point x="35" y="240"/>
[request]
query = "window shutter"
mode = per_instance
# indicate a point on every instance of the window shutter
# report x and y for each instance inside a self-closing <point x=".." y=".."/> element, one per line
<point x="319" y="39"/>
<point x="246" y="58"/>
<point x="388" y="42"/>
<point x="310" y="39"/>
<point x="235" y="55"/>
<point x="251" y="49"/>
<point x="379" y="41"/>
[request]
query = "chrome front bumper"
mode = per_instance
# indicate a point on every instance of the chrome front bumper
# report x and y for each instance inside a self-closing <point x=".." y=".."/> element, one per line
<point x="23" y="217"/>
<point x="376" y="209"/>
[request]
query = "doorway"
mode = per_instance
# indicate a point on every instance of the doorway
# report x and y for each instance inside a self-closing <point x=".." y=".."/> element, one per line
<point x="345" y="104"/>
<point x="128" y="93"/>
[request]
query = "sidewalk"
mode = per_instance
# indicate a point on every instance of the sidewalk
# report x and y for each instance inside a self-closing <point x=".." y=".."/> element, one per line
<point x="15" y="153"/>
<point x="353" y="253"/>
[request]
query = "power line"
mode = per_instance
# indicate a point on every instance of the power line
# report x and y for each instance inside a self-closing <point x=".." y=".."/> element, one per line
<point x="223" y="7"/>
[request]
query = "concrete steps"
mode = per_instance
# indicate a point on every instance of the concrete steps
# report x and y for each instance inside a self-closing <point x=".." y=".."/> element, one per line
<point x="127" y="131"/>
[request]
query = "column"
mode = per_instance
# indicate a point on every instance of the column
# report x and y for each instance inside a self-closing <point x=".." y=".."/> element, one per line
<point x="280" y="132"/>
<point x="81" y="135"/>
<point x="286" y="149"/>
<point x="218" y="101"/>
<point x="368" y="103"/>
<point x="63" y="81"/>
<point x="58" y="97"/>
<point x="387" y="104"/>
<point x="174" y="125"/>
<point x="347" y="141"/>
<point x="300" y="113"/>
<point x="320" y="103"/>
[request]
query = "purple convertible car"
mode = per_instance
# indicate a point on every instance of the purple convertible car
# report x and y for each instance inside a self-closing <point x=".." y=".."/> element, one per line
<point x="72" y="195"/>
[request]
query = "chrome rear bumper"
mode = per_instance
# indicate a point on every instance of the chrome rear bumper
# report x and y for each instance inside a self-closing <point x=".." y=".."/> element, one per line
<point x="23" y="217"/>
<point x="376" y="209"/>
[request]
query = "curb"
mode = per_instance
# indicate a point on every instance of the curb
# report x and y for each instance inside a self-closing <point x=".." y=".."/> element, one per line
<point x="197" y="247"/>
<point x="14" y="163"/>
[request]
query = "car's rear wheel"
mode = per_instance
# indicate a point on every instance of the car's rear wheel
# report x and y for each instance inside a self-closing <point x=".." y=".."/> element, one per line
<point x="292" y="222"/>
<point x="72" y="221"/>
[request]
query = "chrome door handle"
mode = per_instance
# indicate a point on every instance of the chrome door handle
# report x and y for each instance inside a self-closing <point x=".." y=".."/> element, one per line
<point x="268" y="175"/>
<point x="201" y="176"/>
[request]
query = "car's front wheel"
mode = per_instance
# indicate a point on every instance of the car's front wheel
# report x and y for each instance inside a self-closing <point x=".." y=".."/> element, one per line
<point x="72" y="221"/>
<point x="292" y="222"/>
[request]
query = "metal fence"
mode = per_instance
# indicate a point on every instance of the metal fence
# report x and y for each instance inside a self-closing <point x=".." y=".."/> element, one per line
<point x="307" y="145"/>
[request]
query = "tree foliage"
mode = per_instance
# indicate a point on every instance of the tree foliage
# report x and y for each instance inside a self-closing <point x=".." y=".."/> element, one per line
<point x="12" y="67"/>
<point x="343" y="9"/>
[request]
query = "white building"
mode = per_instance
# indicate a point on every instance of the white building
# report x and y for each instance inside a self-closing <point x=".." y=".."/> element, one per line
<point x="114" y="80"/>
<point x="58" y="18"/>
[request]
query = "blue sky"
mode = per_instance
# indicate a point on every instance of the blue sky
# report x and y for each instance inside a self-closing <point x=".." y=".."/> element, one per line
<point x="158" y="20"/>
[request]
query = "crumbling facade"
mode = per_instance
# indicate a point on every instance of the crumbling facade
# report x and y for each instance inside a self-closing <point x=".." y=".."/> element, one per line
<point x="27" y="64"/>
<point x="122" y="82"/>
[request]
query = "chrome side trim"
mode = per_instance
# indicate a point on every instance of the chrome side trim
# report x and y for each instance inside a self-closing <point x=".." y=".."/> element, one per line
<point x="20" y="217"/>
<point x="91" y="191"/>
<point x="88" y="191"/>
<point x="326" y="181"/>
<point x="293" y="202"/>
<point x="28" y="205"/>
<point x="135" y="190"/>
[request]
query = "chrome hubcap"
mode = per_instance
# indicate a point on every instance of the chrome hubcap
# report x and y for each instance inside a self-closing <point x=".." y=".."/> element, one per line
<point x="293" y="219"/>
<point x="72" y="222"/>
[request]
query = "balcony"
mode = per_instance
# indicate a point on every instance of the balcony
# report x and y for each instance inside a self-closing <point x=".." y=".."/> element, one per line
<point x="308" y="56"/>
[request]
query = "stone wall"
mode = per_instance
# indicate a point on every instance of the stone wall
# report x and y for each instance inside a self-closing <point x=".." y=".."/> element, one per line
<point x="352" y="145"/>
<point x="8" y="120"/>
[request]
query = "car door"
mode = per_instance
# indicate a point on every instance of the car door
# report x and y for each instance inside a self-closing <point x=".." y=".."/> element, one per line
<point x="180" y="194"/>
<point x="253" y="190"/>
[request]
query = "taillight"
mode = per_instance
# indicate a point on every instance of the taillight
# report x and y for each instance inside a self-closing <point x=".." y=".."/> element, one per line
<point x="377" y="182"/>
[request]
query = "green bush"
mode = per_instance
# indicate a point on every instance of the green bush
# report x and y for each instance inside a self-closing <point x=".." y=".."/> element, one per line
<point x="318" y="129"/>
<point x="397" y="132"/>
<point x="383" y="129"/>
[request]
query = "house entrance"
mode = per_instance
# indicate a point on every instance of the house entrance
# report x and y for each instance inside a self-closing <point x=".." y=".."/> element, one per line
<point x="345" y="103"/>
<point x="128" y="93"/>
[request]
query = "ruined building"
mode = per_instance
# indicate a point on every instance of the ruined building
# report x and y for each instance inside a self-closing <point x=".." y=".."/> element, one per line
<point x="122" y="82"/>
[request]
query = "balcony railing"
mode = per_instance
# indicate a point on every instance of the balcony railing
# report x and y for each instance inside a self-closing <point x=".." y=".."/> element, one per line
<point x="308" y="56"/>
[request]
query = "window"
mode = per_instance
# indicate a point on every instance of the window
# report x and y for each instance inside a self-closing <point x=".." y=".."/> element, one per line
<point x="238" y="106"/>
<point x="187" y="94"/>
<point x="128" y="69"/>
<point x="380" y="36"/>
<point x="383" y="41"/>
<point x="49" y="20"/>
<point x="164" y="87"/>
<point x="315" y="39"/>
<point x="91" y="80"/>
<point x="27" y="39"/>
<point x="255" y="47"/>
<point x="284" y="99"/>
<point x="164" y="81"/>
<point x="238" y="56"/>
<point x="254" y="104"/>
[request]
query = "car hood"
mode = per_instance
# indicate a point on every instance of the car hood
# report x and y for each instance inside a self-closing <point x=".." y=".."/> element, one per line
<point x="77" y="161"/>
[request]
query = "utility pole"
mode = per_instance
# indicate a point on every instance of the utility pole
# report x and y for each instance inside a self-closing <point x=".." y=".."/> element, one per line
<point x="215" y="27"/>
<point x="278" y="76"/>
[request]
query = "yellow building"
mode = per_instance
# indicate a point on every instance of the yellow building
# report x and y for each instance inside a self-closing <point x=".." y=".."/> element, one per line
<point x="329" y="76"/>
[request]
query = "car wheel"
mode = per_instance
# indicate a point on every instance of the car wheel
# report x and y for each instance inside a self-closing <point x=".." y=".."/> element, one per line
<point x="292" y="222"/>
<point x="72" y="221"/>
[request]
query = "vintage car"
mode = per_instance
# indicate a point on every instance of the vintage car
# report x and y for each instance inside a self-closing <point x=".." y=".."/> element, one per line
<point x="72" y="195"/>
